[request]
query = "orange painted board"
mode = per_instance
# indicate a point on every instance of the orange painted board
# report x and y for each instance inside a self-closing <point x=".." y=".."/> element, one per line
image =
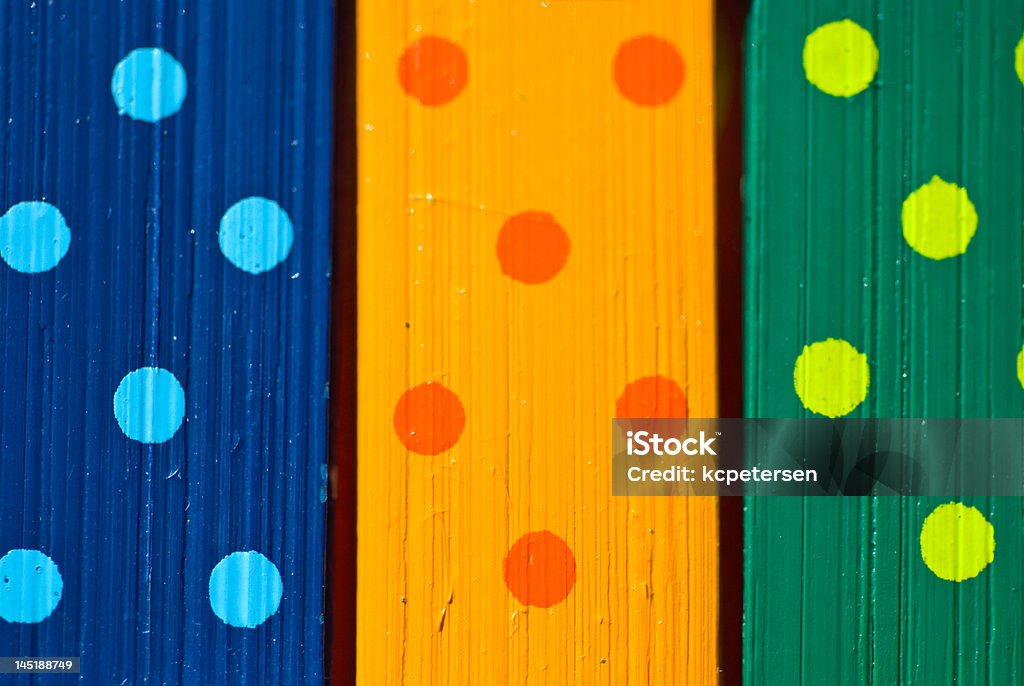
<point x="535" y="236"/>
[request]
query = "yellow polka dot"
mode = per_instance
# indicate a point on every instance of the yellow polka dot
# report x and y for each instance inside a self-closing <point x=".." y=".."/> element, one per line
<point x="831" y="377"/>
<point x="939" y="220"/>
<point x="840" y="58"/>
<point x="957" y="542"/>
<point x="1020" y="60"/>
<point x="1020" y="366"/>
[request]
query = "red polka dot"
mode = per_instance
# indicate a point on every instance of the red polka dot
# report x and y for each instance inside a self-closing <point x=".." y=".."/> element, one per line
<point x="433" y="70"/>
<point x="654" y="397"/>
<point x="540" y="569"/>
<point x="532" y="247"/>
<point x="429" y="419"/>
<point x="649" y="70"/>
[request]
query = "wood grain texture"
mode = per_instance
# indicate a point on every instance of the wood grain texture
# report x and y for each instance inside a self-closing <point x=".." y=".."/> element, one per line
<point x="837" y="592"/>
<point x="540" y="126"/>
<point x="136" y="529"/>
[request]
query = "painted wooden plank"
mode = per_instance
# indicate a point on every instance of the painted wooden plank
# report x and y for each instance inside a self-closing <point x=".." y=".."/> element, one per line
<point x="854" y="107"/>
<point x="535" y="234"/>
<point x="137" y="496"/>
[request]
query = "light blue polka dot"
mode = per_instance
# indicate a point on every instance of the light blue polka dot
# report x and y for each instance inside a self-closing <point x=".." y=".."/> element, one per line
<point x="245" y="589"/>
<point x="30" y="586"/>
<point x="148" y="84"/>
<point x="33" y="237"/>
<point x="255" y="234"/>
<point x="149" y="405"/>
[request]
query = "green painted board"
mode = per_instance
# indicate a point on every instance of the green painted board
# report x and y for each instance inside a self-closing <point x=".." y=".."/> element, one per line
<point x="837" y="590"/>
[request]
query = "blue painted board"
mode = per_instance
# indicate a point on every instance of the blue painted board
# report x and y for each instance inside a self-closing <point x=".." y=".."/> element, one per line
<point x="217" y="446"/>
